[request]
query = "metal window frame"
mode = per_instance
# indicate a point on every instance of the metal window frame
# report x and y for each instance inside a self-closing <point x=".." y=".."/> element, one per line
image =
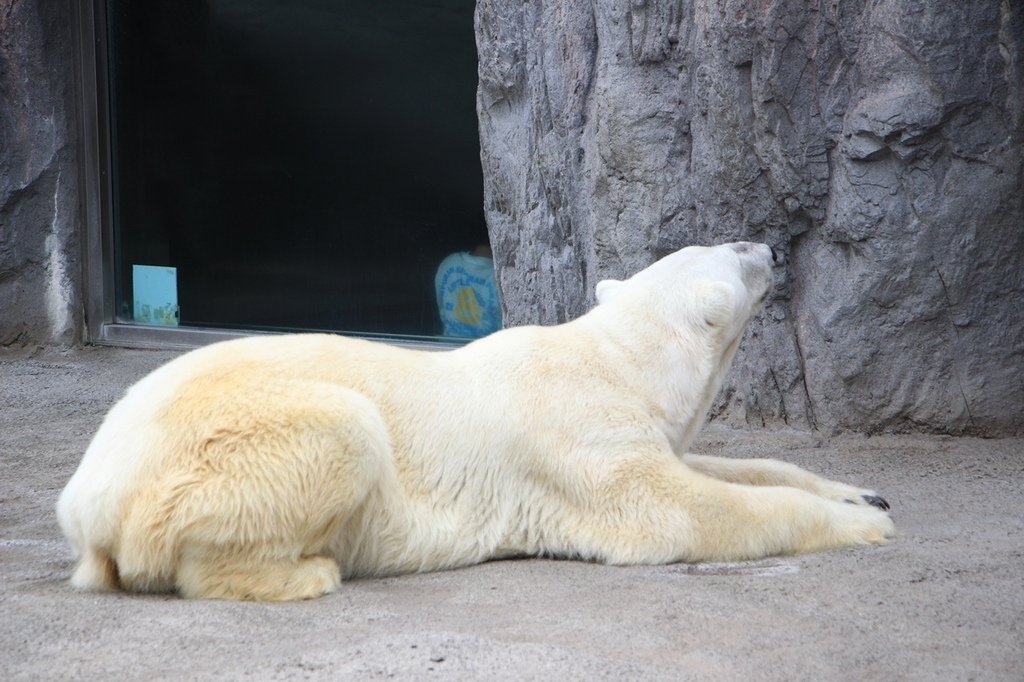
<point x="97" y="207"/>
<point x="94" y="167"/>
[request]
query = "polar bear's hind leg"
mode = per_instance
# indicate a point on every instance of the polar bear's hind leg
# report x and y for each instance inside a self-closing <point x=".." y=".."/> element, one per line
<point x="259" y="579"/>
<point x="269" y="484"/>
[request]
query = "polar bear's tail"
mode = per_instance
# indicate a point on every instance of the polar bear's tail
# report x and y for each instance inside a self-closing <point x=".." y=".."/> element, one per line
<point x="96" y="568"/>
<point x="96" y="571"/>
<point x="89" y="535"/>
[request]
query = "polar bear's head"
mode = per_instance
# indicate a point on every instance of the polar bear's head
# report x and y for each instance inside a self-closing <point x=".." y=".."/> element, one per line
<point x="686" y="314"/>
<point x="718" y="288"/>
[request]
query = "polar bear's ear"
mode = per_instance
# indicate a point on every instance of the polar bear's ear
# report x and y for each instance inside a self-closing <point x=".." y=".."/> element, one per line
<point x="605" y="290"/>
<point x="717" y="303"/>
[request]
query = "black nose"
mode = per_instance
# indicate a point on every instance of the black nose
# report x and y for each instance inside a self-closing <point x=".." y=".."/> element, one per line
<point x="775" y="255"/>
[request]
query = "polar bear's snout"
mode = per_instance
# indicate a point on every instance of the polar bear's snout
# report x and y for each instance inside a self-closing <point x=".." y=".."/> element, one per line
<point x="742" y="248"/>
<point x="758" y="262"/>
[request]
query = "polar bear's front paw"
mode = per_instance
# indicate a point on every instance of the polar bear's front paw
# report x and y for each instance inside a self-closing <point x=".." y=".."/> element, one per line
<point x="864" y="498"/>
<point x="862" y="525"/>
<point x="874" y="501"/>
<point x="840" y="492"/>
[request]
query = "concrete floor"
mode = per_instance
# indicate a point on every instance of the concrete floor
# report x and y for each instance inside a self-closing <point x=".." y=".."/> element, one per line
<point x="943" y="601"/>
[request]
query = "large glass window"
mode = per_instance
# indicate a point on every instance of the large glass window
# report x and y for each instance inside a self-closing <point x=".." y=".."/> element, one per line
<point x="293" y="165"/>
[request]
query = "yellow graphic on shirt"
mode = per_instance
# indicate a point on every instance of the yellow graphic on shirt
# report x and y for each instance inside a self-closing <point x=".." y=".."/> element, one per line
<point x="467" y="309"/>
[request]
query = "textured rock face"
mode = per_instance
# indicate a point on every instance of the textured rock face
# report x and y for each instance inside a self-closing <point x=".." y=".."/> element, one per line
<point x="40" y="268"/>
<point x="879" y="145"/>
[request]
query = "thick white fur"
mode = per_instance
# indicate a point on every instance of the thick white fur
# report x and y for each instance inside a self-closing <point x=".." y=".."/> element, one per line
<point x="270" y="467"/>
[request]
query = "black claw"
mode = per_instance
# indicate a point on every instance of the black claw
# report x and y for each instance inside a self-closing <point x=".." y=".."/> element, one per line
<point x="876" y="501"/>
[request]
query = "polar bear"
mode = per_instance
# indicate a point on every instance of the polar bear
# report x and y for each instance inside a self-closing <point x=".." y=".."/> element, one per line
<point x="271" y="467"/>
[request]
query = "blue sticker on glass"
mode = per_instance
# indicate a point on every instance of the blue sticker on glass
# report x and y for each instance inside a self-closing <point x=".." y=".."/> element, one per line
<point x="155" y="290"/>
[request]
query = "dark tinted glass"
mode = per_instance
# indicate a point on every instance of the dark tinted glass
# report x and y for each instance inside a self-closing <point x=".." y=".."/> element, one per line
<point x="303" y="164"/>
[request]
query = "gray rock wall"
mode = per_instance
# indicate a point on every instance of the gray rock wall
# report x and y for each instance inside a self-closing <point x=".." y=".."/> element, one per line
<point x="879" y="145"/>
<point x="40" y="264"/>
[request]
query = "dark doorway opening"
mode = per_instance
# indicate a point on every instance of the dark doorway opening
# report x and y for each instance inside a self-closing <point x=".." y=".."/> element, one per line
<point x="303" y="164"/>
